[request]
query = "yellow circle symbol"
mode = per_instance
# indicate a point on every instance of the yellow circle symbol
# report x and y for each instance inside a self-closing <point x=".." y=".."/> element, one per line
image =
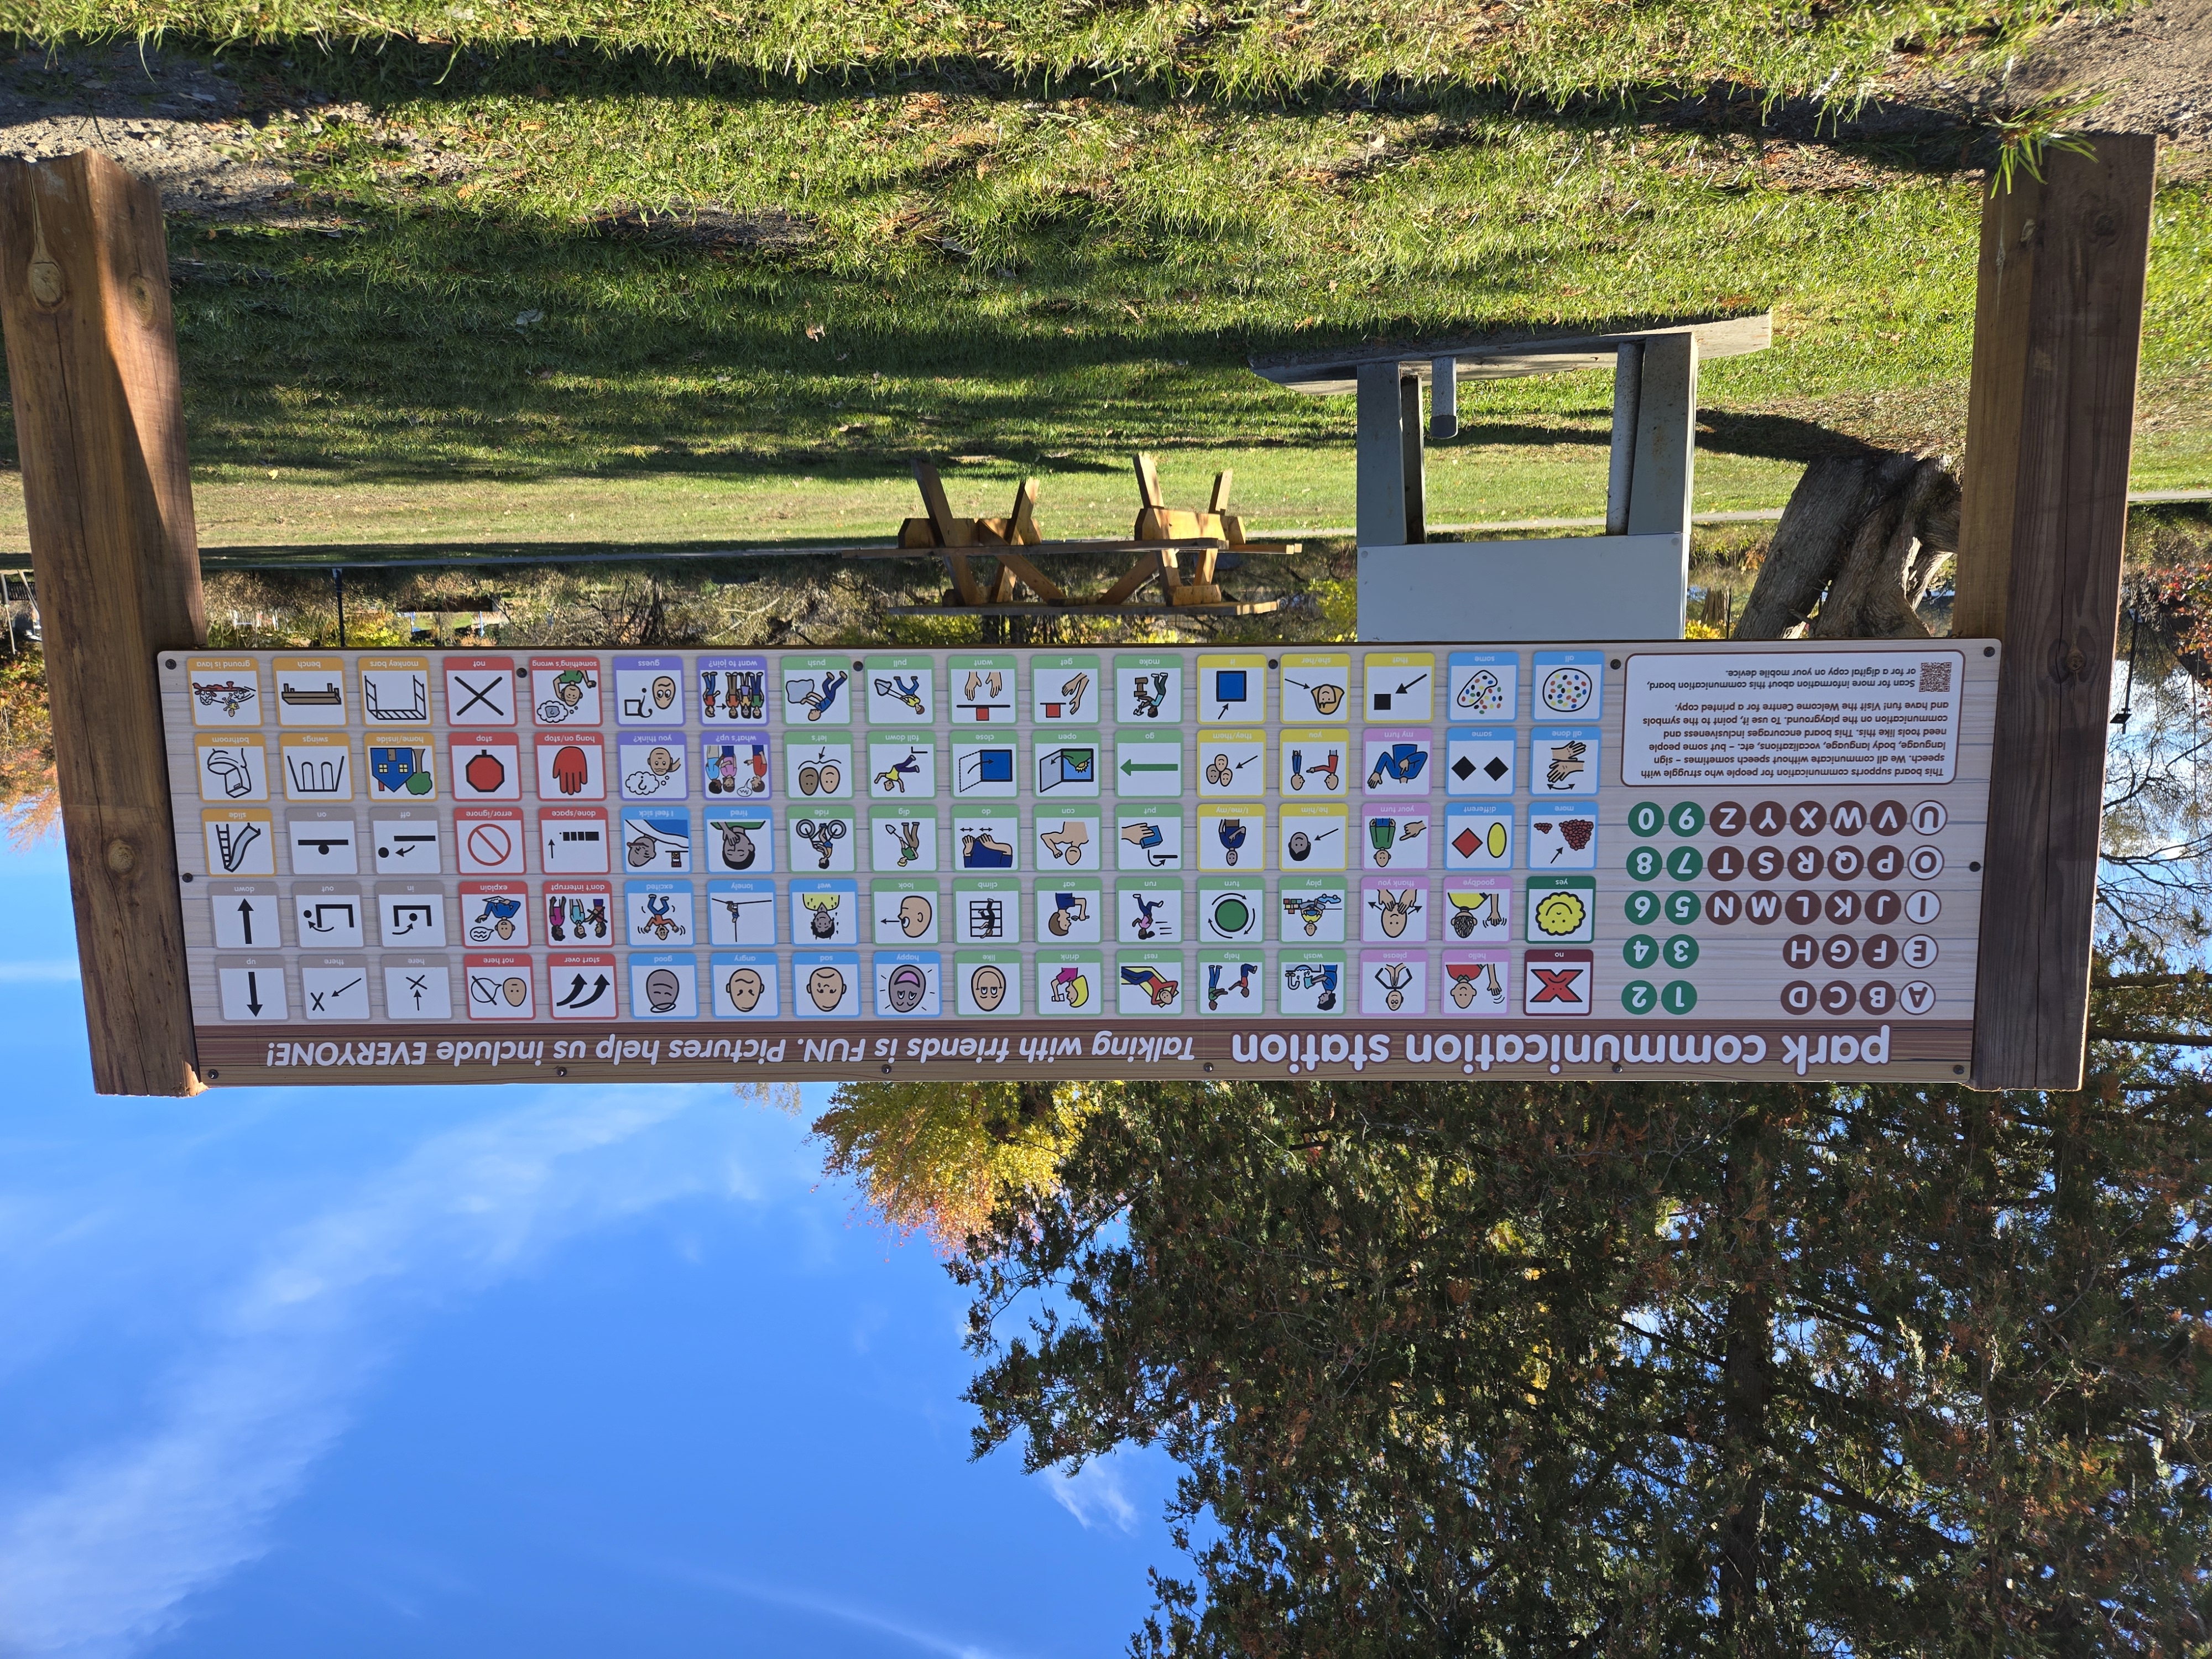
<point x="1560" y="914"/>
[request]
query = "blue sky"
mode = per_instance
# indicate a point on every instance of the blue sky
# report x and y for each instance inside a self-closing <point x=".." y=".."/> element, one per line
<point x="489" y="1371"/>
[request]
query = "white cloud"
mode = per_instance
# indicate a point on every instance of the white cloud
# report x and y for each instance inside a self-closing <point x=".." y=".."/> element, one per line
<point x="53" y="972"/>
<point x="821" y="1606"/>
<point x="1095" y="1494"/>
<point x="97" y="1558"/>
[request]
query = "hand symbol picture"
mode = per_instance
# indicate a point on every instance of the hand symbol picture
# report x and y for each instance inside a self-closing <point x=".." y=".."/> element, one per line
<point x="571" y="771"/>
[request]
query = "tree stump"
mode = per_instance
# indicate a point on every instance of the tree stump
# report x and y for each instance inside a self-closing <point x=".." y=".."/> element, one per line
<point x="1858" y="547"/>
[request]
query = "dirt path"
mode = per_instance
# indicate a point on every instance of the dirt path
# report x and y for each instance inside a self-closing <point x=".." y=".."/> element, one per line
<point x="2152" y="66"/>
<point x="187" y="123"/>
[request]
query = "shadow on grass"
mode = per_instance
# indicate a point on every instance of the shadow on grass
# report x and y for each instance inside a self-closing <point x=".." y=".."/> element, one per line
<point x="451" y="346"/>
<point x="1902" y="132"/>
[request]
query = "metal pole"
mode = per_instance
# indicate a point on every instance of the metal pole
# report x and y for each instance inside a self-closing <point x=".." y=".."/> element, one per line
<point x="1444" y="414"/>
<point x="1627" y="410"/>
<point x="1413" y="460"/>
<point x="338" y="582"/>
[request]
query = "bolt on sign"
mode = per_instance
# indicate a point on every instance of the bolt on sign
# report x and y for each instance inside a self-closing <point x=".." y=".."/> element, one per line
<point x="1695" y="860"/>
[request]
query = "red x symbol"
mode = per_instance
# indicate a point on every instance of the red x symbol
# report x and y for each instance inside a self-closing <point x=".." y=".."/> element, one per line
<point x="1559" y="984"/>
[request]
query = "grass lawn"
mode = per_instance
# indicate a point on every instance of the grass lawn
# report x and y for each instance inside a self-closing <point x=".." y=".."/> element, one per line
<point x="1027" y="264"/>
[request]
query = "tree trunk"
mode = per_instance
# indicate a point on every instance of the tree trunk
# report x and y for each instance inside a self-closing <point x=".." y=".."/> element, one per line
<point x="1870" y="531"/>
<point x="1746" y="1381"/>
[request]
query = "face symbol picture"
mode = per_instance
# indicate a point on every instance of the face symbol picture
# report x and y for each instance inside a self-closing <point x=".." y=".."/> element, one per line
<point x="1392" y="910"/>
<point x="915" y="913"/>
<point x="1300" y="846"/>
<point x="1559" y="914"/>
<point x="664" y="692"/>
<point x="744" y="988"/>
<point x="907" y="988"/>
<point x="825" y="989"/>
<point x="986" y="987"/>
<point x="656" y="774"/>
<point x="514" y="990"/>
<point x="662" y="990"/>
<point x="738" y="849"/>
<point x="1393" y="977"/>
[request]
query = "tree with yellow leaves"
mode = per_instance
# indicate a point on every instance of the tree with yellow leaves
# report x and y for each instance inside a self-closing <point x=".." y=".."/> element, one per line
<point x="936" y="1157"/>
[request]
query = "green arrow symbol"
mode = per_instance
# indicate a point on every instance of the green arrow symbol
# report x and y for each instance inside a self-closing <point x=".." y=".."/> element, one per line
<point x="1129" y="765"/>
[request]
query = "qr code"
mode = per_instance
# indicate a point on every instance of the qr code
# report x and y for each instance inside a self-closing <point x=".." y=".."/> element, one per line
<point x="1934" y="676"/>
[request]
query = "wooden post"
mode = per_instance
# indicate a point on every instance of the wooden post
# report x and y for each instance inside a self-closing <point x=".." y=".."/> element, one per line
<point x="2049" y="432"/>
<point x="91" y="366"/>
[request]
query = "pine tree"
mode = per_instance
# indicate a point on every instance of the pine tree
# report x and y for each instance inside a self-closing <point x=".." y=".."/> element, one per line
<point x="1536" y="1369"/>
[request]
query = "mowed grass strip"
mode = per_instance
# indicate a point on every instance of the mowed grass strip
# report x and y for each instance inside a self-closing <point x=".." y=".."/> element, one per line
<point x="1557" y="50"/>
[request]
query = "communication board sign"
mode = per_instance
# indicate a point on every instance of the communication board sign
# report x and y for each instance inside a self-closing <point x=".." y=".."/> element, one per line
<point x="1640" y="860"/>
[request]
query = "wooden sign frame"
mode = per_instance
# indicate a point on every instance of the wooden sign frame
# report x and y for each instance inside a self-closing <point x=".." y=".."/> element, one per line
<point x="84" y="301"/>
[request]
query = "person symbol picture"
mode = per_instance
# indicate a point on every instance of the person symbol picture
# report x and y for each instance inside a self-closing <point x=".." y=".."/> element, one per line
<point x="817" y="700"/>
<point x="1162" y="990"/>
<point x="906" y="690"/>
<point x="1215" y="989"/>
<point x="1231" y="834"/>
<point x="893" y="778"/>
<point x="1069" y="986"/>
<point x="1313" y="976"/>
<point x="1146" y="919"/>
<point x="1067" y="909"/>
<point x="906" y="832"/>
